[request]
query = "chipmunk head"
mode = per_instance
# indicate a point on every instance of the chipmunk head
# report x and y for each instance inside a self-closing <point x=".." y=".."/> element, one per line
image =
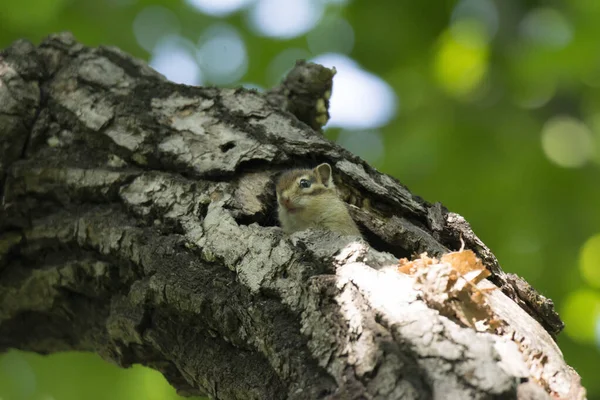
<point x="298" y="189"/>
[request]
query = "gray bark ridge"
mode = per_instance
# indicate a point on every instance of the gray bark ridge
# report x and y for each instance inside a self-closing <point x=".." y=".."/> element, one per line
<point x="138" y="222"/>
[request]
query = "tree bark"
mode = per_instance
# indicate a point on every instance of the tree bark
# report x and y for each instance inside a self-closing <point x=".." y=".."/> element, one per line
<point x="138" y="222"/>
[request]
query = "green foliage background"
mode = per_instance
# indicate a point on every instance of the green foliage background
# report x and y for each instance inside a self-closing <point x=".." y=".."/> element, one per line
<point x="468" y="132"/>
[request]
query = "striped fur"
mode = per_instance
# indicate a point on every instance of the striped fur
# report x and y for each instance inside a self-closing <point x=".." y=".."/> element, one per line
<point x="317" y="206"/>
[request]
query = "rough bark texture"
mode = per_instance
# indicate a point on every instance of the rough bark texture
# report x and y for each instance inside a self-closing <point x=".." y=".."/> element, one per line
<point x="138" y="222"/>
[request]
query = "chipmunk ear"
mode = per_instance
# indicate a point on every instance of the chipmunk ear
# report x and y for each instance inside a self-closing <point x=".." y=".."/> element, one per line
<point x="323" y="171"/>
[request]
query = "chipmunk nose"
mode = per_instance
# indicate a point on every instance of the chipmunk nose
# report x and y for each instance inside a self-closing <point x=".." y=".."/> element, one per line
<point x="286" y="201"/>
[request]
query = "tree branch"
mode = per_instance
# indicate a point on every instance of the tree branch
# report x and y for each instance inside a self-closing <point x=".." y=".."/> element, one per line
<point x="138" y="222"/>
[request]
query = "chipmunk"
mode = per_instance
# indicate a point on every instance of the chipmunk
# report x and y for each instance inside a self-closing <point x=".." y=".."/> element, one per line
<point x="307" y="198"/>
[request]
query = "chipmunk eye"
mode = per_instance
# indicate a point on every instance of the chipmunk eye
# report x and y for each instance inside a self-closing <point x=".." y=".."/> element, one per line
<point x="304" y="183"/>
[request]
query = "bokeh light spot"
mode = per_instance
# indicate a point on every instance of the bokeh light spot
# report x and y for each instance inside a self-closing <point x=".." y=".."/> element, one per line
<point x="534" y="95"/>
<point x="219" y="8"/>
<point x="366" y="144"/>
<point x="282" y="63"/>
<point x="461" y="61"/>
<point x="173" y="57"/>
<point x="589" y="262"/>
<point x="567" y="142"/>
<point x="152" y="24"/>
<point x="332" y="35"/>
<point x="580" y="312"/>
<point x="482" y="11"/>
<point x="146" y="383"/>
<point x="546" y="27"/>
<point x="598" y="331"/>
<point x="524" y="243"/>
<point x="594" y="123"/>
<point x="360" y="100"/>
<point x="285" y="19"/>
<point x="17" y="377"/>
<point x="222" y="54"/>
